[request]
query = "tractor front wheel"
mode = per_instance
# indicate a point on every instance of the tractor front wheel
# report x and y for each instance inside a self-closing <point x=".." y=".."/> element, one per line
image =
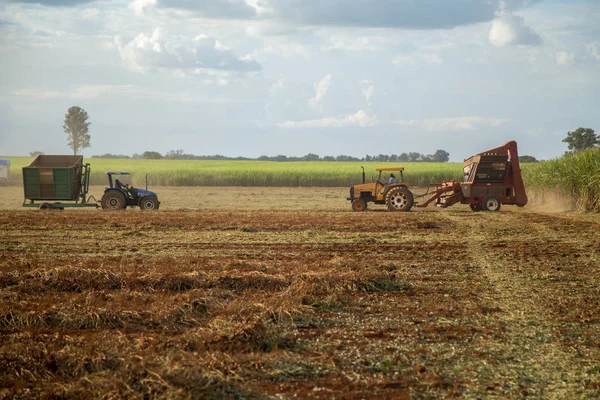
<point x="475" y="207"/>
<point x="149" y="203"/>
<point x="359" y="205"/>
<point x="113" y="200"/>
<point x="491" y="203"/>
<point x="399" y="199"/>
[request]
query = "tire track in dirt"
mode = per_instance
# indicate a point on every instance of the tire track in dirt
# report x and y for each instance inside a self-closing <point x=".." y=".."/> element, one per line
<point x="533" y="360"/>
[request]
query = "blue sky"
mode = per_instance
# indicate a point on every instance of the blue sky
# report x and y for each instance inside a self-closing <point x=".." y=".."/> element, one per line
<point x="267" y="77"/>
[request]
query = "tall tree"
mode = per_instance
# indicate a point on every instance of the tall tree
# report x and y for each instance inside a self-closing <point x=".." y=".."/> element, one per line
<point x="76" y="126"/>
<point x="441" y="156"/>
<point x="581" y="139"/>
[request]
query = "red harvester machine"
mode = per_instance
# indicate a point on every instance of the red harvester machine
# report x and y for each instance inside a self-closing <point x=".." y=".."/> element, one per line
<point x="491" y="178"/>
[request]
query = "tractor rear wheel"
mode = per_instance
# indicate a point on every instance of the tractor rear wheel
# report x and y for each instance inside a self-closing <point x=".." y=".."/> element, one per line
<point x="359" y="205"/>
<point x="113" y="200"/>
<point x="149" y="203"/>
<point x="491" y="203"/>
<point x="399" y="199"/>
<point x="475" y="207"/>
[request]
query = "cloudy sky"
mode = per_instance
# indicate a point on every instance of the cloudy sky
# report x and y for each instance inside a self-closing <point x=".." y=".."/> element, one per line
<point x="267" y="77"/>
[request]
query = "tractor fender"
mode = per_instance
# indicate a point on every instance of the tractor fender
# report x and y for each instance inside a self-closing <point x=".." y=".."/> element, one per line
<point x="108" y="190"/>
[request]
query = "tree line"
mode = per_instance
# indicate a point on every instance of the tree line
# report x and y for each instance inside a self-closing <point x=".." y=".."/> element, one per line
<point x="438" y="156"/>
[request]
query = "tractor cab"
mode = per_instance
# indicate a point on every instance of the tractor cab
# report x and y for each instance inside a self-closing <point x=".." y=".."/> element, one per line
<point x="121" y="194"/>
<point x="389" y="188"/>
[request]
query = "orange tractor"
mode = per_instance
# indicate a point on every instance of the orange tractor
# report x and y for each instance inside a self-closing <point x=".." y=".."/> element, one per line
<point x="491" y="178"/>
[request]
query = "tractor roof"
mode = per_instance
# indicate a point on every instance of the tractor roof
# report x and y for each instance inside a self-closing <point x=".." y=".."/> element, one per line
<point x="390" y="169"/>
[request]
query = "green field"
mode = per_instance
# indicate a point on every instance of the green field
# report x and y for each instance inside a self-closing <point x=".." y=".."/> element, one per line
<point x="253" y="173"/>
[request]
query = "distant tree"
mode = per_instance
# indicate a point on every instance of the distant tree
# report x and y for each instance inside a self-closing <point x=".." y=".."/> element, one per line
<point x="151" y="155"/>
<point x="109" y="155"/>
<point x="394" y="158"/>
<point x="263" y="158"/>
<point x="527" y="159"/>
<point x="36" y="153"/>
<point x="403" y="157"/>
<point x="343" y="157"/>
<point x="311" y="157"/>
<point x="279" y="157"/>
<point x="414" y="156"/>
<point x="328" y="158"/>
<point x="581" y="139"/>
<point x="76" y="126"/>
<point x="175" y="154"/>
<point x="440" y="156"/>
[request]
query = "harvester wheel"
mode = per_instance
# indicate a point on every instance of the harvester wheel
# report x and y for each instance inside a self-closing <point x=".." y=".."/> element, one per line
<point x="113" y="200"/>
<point x="491" y="203"/>
<point x="149" y="203"/>
<point x="359" y="205"/>
<point x="44" y="206"/>
<point x="399" y="199"/>
<point x="475" y="207"/>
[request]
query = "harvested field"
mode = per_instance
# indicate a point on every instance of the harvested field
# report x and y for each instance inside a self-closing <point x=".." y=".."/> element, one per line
<point x="285" y="293"/>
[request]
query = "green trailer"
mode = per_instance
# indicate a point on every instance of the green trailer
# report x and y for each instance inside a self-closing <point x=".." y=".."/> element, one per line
<point x="51" y="180"/>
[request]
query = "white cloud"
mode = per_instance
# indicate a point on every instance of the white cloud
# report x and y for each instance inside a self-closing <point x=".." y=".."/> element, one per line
<point x="368" y="93"/>
<point x="593" y="51"/>
<point x="321" y="89"/>
<point x="360" y="118"/>
<point x="564" y="58"/>
<point x="510" y="29"/>
<point x="427" y="58"/>
<point x="90" y="92"/>
<point x="363" y="43"/>
<point x="403" y="60"/>
<point x="139" y="6"/>
<point x="432" y="59"/>
<point x="90" y="13"/>
<point x="160" y="51"/>
<point x="215" y="8"/>
<point x="278" y="86"/>
<point x="454" y="124"/>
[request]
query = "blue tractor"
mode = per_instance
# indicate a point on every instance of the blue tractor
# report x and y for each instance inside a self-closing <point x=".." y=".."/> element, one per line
<point x="120" y="195"/>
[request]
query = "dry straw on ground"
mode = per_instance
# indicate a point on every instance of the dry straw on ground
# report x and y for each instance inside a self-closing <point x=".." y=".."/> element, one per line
<point x="269" y="302"/>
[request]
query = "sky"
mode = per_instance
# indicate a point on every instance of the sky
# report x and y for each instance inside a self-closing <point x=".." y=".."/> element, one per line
<point x="268" y="77"/>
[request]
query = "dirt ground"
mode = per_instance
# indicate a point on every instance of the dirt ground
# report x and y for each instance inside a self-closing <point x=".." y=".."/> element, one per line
<point x="259" y="293"/>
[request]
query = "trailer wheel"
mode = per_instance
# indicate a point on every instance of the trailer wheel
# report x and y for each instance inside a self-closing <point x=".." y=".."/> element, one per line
<point x="149" y="203"/>
<point x="491" y="203"/>
<point x="359" y="205"/>
<point x="399" y="199"/>
<point x="475" y="207"/>
<point x="44" y="206"/>
<point x="113" y="200"/>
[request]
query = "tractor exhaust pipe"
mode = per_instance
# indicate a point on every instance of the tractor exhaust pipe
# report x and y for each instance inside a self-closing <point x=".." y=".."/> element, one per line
<point x="363" y="174"/>
<point x="146" y="181"/>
